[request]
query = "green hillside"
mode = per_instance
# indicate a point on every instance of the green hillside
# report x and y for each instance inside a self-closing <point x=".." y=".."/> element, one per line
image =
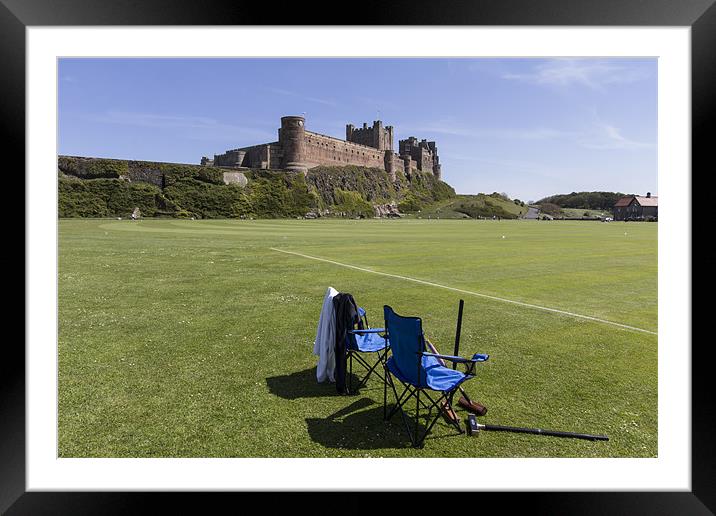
<point x="97" y="188"/>
<point x="92" y="187"/>
<point x="474" y="206"/>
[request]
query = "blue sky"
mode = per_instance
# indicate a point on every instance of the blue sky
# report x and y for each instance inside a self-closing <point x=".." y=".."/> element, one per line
<point x="527" y="127"/>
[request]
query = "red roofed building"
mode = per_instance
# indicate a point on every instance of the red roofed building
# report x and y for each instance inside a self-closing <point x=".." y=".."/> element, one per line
<point x="636" y="207"/>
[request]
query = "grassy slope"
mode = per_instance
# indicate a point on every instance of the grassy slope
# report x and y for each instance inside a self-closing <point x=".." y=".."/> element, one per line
<point x="449" y="209"/>
<point x="578" y="212"/>
<point x="191" y="338"/>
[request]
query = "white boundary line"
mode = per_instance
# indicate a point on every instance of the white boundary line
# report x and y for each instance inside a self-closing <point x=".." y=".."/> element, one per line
<point x="423" y="282"/>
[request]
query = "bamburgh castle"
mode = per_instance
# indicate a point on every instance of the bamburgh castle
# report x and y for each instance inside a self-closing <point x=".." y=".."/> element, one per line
<point x="299" y="150"/>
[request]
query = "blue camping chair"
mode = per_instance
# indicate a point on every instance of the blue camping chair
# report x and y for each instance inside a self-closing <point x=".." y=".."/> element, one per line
<point x="421" y="373"/>
<point x="361" y="342"/>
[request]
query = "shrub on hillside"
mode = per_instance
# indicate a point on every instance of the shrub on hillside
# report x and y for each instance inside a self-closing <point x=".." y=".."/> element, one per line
<point x="176" y="173"/>
<point x="105" y="198"/>
<point x="425" y="188"/>
<point x="550" y="209"/>
<point x="92" y="168"/>
<point x="352" y="204"/>
<point x="210" y="175"/>
<point x="275" y="196"/>
<point x="479" y="210"/>
<point x="410" y="204"/>
<point x="243" y="208"/>
<point x="503" y="196"/>
<point x="205" y="200"/>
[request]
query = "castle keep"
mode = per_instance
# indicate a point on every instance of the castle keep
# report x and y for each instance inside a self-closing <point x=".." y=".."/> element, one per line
<point x="299" y="150"/>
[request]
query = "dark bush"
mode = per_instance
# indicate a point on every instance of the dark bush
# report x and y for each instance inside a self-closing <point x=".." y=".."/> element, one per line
<point x="92" y="168"/>
<point x="550" y="209"/>
<point x="105" y="198"/>
<point x="585" y="200"/>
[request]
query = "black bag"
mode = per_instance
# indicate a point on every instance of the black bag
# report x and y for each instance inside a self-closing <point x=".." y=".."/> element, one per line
<point x="346" y="313"/>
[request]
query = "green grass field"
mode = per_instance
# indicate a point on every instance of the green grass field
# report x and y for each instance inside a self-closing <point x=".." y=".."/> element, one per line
<point x="194" y="338"/>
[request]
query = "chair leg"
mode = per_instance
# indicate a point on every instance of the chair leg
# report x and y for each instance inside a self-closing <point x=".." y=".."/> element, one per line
<point x="417" y="416"/>
<point x="385" y="392"/>
<point x="350" y="372"/>
<point x="412" y="426"/>
<point x="371" y="369"/>
<point x="456" y="424"/>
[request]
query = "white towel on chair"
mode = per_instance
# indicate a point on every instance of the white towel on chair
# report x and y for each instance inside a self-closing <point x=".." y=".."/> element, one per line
<point x="325" y="343"/>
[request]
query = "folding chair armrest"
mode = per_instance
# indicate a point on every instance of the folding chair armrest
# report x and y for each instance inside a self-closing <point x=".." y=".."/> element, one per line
<point x="452" y="358"/>
<point x="468" y="362"/>
<point x="367" y="330"/>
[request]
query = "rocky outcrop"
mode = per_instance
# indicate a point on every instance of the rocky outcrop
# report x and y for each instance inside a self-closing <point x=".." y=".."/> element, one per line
<point x="372" y="184"/>
<point x="389" y="210"/>
<point x="235" y="178"/>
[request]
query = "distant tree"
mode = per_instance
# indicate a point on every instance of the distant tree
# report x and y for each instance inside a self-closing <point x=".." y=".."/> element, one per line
<point x="584" y="200"/>
<point x="550" y="209"/>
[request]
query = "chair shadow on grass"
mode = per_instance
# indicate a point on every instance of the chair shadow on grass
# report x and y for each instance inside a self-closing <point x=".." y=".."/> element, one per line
<point x="357" y="427"/>
<point x="302" y="384"/>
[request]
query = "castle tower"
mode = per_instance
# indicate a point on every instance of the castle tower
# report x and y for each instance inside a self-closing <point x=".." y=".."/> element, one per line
<point x="378" y="140"/>
<point x="389" y="138"/>
<point x="389" y="164"/>
<point x="292" y="138"/>
<point x="376" y="136"/>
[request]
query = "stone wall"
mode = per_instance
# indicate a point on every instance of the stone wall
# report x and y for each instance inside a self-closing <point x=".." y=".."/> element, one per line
<point x="152" y="172"/>
<point x="326" y="150"/>
<point x="264" y="156"/>
<point x="300" y="150"/>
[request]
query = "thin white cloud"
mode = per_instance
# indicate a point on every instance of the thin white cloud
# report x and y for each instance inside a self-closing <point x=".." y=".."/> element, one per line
<point x="592" y="73"/>
<point x="609" y="137"/>
<point x="325" y="102"/>
<point x="599" y="136"/>
<point x="195" y="127"/>
<point x="533" y="133"/>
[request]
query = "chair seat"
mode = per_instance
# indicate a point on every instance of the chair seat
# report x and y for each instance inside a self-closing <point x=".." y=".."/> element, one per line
<point x="437" y="376"/>
<point x="370" y="342"/>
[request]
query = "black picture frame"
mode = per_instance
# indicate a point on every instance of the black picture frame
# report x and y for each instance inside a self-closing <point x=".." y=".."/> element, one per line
<point x="699" y="15"/>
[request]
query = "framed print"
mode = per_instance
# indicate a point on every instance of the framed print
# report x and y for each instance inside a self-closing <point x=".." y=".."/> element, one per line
<point x="212" y="174"/>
